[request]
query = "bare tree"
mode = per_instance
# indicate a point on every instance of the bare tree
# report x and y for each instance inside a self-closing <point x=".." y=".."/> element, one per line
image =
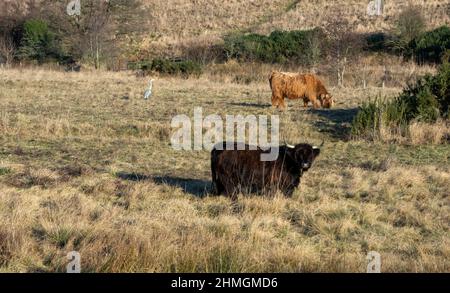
<point x="343" y="44"/>
<point x="7" y="49"/>
<point x="13" y="14"/>
<point x="410" y="23"/>
<point x="95" y="34"/>
<point x="315" y="43"/>
<point x="408" y="26"/>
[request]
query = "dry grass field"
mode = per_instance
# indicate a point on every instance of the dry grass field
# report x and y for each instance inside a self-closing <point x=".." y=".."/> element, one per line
<point x="204" y="21"/>
<point x="86" y="165"/>
<point x="189" y="18"/>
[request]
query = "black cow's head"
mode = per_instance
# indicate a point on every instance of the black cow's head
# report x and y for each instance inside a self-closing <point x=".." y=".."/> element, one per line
<point x="303" y="155"/>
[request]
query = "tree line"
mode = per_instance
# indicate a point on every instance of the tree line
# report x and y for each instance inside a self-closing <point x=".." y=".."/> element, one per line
<point x="41" y="31"/>
<point x="109" y="30"/>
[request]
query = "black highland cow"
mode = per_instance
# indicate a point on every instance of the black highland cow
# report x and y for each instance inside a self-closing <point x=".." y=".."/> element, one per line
<point x="235" y="171"/>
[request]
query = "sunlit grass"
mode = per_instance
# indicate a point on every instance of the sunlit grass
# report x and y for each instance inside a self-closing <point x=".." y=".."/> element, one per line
<point x="83" y="169"/>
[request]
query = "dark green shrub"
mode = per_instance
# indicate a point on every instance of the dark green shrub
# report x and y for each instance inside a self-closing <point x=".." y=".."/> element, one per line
<point x="431" y="46"/>
<point x="170" y="67"/>
<point x="189" y="68"/>
<point x="164" y="66"/>
<point x="38" y="42"/>
<point x="367" y="122"/>
<point x="427" y="100"/>
<point x="183" y="67"/>
<point x="439" y="86"/>
<point x="377" y="42"/>
<point x="394" y="114"/>
<point x="379" y="113"/>
<point x="140" y="65"/>
<point x="278" y="47"/>
<point x="420" y="101"/>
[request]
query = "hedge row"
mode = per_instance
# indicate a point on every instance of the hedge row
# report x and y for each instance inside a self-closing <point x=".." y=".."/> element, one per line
<point x="278" y="47"/>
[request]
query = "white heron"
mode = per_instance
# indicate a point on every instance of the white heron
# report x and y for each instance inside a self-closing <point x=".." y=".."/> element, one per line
<point x="148" y="92"/>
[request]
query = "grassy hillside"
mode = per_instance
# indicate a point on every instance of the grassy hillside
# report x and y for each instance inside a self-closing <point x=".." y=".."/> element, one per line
<point x="193" y="18"/>
<point x="86" y="165"/>
<point x="202" y="23"/>
<point x="184" y="25"/>
<point x="185" y="18"/>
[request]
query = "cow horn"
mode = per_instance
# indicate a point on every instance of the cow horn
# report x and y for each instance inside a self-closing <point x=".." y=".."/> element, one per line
<point x="318" y="147"/>
<point x="288" y="145"/>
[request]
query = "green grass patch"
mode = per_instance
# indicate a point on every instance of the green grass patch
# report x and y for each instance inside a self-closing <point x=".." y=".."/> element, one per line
<point x="4" y="171"/>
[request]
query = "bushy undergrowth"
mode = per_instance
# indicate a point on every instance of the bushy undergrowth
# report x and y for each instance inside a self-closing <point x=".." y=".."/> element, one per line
<point x="431" y="46"/>
<point x="377" y="42"/>
<point x="169" y="67"/>
<point x="425" y="101"/>
<point x="279" y="47"/>
<point x="39" y="43"/>
<point x="306" y="47"/>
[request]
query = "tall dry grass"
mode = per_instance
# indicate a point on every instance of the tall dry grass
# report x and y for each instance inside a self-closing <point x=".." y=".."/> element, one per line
<point x="86" y="165"/>
<point x="170" y="26"/>
<point x="368" y="72"/>
<point x="425" y="133"/>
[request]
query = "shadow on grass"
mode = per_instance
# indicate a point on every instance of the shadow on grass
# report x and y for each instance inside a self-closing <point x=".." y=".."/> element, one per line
<point x="255" y="105"/>
<point x="337" y="122"/>
<point x="195" y="187"/>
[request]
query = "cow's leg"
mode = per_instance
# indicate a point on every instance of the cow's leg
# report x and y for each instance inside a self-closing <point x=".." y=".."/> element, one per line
<point x="290" y="187"/>
<point x="276" y="101"/>
<point x="316" y="103"/>
<point x="218" y="187"/>
<point x="305" y="102"/>
<point x="232" y="193"/>
<point x="282" y="105"/>
<point x="230" y="190"/>
<point x="289" y="191"/>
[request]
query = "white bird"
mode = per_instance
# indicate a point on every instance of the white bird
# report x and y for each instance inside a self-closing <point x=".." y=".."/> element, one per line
<point x="148" y="92"/>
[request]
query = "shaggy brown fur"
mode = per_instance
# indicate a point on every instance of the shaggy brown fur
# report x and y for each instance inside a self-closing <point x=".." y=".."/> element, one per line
<point x="299" y="86"/>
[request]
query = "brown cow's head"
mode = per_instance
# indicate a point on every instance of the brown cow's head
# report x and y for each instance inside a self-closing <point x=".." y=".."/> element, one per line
<point x="326" y="100"/>
<point x="303" y="155"/>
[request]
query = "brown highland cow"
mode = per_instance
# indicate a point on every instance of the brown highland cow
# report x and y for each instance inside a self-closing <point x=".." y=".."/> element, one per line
<point x="299" y="86"/>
